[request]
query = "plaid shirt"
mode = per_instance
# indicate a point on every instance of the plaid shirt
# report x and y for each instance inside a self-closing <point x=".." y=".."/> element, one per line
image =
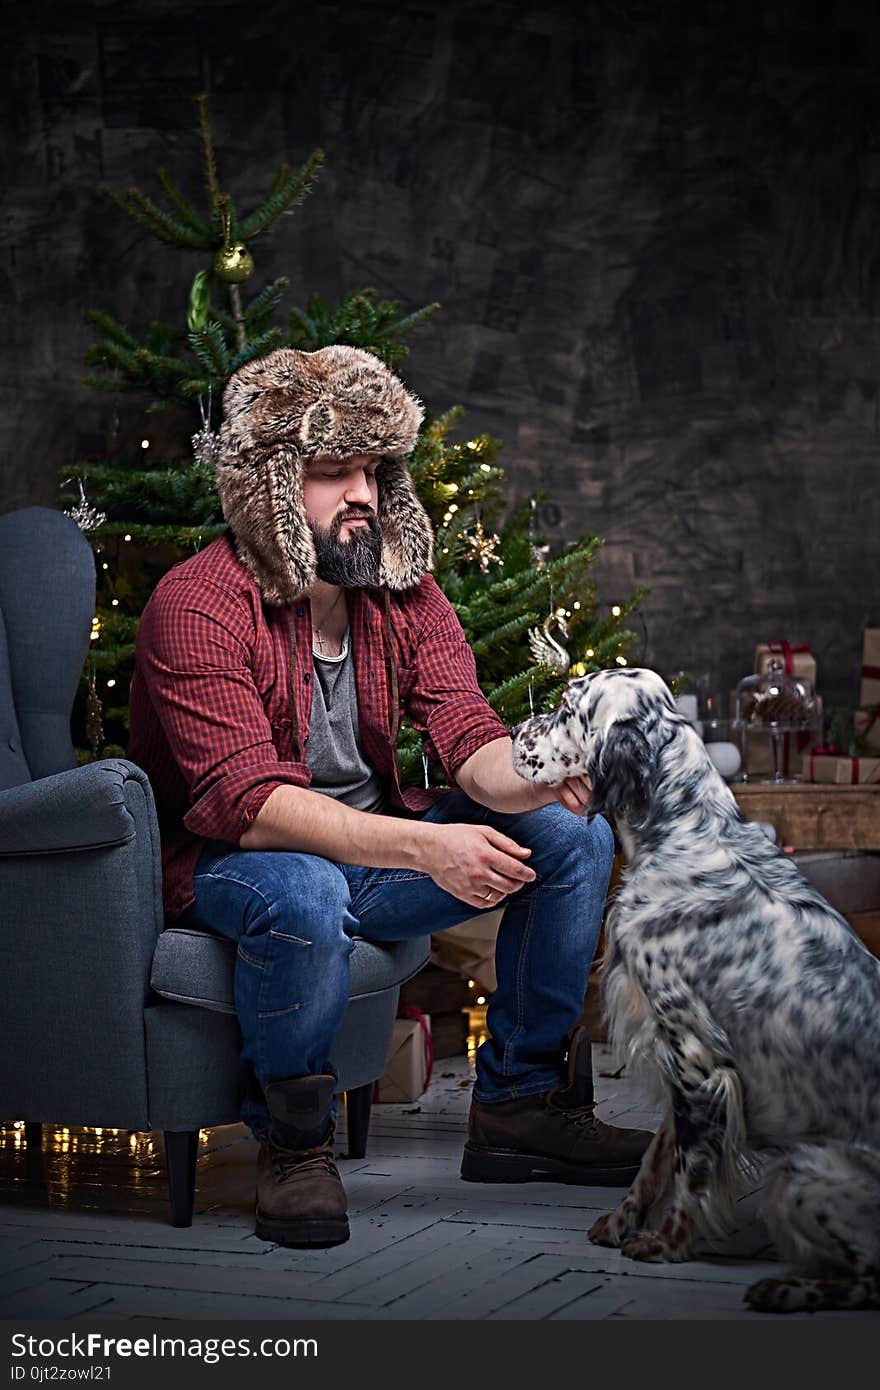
<point x="222" y="692"/>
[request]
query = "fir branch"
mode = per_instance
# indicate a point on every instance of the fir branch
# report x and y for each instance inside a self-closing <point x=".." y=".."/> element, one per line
<point x="200" y="386"/>
<point x="417" y="318"/>
<point x="550" y="699"/>
<point x="266" y="302"/>
<point x="111" y="384"/>
<point x="103" y="323"/>
<point x="187" y="214"/>
<point x="358" y="320"/>
<point x="257" y="347"/>
<point x="288" y="194"/>
<point x="110" y="658"/>
<point x="209" y="164"/>
<point x="148" y="215"/>
<point x="115" y="357"/>
<point x="512" y="690"/>
<point x="554" y="574"/>
<point x="209" y="346"/>
<point x="163" y="337"/>
<point x="306" y="320"/>
<point x="161" y="535"/>
<point x="438" y="426"/>
<point x="499" y="635"/>
<point x="157" y="364"/>
<point x="481" y="481"/>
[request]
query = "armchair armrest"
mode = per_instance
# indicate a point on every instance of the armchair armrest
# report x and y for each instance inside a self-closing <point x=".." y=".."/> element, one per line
<point x="81" y="888"/>
<point x="84" y="808"/>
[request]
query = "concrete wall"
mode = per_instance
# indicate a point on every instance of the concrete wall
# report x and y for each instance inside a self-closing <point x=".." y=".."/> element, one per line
<point x="653" y="228"/>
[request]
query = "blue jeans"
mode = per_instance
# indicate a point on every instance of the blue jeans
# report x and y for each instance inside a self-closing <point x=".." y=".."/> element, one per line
<point x="294" y="916"/>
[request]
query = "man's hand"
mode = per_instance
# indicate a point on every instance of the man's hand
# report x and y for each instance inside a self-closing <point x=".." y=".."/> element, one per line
<point x="488" y="777"/>
<point x="475" y="863"/>
<point x="573" y="794"/>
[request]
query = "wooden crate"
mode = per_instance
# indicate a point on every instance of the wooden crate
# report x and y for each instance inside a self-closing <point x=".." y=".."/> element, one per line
<point x="815" y="816"/>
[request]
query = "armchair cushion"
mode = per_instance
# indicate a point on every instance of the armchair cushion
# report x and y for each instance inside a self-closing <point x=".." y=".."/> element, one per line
<point x="196" y="967"/>
<point x="83" y="808"/>
<point x="13" y="764"/>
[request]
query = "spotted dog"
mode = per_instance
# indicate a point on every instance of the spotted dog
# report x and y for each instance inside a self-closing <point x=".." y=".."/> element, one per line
<point x="747" y="997"/>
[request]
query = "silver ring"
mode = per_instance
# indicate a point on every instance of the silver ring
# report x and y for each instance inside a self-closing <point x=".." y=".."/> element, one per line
<point x="487" y="897"/>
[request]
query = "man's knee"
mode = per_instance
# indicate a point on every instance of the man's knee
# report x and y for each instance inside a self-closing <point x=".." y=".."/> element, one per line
<point x="584" y="845"/>
<point x="303" y="900"/>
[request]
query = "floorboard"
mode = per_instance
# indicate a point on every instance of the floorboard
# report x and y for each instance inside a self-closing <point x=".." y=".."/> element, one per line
<point x="84" y="1233"/>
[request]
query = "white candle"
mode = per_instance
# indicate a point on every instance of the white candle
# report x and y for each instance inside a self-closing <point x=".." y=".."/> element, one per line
<point x="726" y="757"/>
<point x="687" y="705"/>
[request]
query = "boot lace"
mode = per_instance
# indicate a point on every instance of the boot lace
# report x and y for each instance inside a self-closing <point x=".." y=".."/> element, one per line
<point x="287" y="1161"/>
<point x="582" y="1117"/>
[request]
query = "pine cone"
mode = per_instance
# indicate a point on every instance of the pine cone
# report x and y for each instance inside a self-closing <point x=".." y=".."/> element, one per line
<point x="786" y="707"/>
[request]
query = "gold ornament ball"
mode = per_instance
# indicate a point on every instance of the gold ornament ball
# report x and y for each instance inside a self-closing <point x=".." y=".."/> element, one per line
<point x="233" y="264"/>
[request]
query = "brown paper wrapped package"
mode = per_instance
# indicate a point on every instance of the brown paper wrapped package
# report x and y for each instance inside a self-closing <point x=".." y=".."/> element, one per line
<point x="839" y="771"/>
<point x="469" y="949"/>
<point x="407" y="1065"/>
<point x="804" y="663"/>
<point x="869" y="724"/>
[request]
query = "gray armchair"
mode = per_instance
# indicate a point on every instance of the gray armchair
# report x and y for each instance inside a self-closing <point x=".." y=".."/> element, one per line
<point x="110" y="1018"/>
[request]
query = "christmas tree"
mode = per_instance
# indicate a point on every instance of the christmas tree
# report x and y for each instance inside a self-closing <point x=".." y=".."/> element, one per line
<point x="532" y="620"/>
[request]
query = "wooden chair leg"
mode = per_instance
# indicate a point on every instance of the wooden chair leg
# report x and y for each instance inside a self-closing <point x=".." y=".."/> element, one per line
<point x="181" y="1152"/>
<point x="357" y="1117"/>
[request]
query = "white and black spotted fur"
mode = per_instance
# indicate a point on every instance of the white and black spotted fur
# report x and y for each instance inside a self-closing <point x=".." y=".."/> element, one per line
<point x="748" y="995"/>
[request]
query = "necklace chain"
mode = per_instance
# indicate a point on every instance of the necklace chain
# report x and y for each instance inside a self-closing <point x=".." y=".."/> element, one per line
<point x="316" y="631"/>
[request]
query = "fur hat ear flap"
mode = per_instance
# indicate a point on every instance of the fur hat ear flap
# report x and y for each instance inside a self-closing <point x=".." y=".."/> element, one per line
<point x="407" y="538"/>
<point x="262" y="498"/>
<point x="619" y="771"/>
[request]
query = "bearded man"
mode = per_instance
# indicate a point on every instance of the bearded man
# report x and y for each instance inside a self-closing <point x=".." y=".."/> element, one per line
<point x="272" y="668"/>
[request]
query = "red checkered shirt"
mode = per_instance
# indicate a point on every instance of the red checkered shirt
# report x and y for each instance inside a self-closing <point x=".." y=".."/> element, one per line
<point x="222" y="692"/>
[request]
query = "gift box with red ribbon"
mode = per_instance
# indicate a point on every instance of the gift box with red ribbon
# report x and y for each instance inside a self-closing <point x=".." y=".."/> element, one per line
<point x="831" y="765"/>
<point x="867" y="721"/>
<point x="410" y="1058"/>
<point x="797" y="659"/>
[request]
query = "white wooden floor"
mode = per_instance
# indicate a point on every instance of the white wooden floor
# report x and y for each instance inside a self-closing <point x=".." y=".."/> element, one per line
<point x="85" y="1235"/>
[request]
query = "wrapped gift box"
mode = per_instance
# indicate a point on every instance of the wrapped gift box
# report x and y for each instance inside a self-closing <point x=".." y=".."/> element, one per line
<point x="844" y="771"/>
<point x="408" y="1068"/>
<point x="870" y="692"/>
<point x="868" y="724"/>
<point x="797" y="659"/>
<point x="469" y="949"/>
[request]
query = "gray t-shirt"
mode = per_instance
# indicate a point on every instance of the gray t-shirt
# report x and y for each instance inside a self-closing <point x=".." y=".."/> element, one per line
<point x="335" y="755"/>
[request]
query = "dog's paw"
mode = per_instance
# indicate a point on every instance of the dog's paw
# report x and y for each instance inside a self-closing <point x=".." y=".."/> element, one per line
<point x="647" y="1245"/>
<point x="782" y="1296"/>
<point x="608" y="1230"/>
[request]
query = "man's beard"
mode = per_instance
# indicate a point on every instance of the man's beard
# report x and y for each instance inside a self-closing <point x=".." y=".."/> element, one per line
<point x="353" y="563"/>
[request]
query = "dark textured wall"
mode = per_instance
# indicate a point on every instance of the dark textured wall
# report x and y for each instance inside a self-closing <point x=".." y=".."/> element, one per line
<point x="653" y="228"/>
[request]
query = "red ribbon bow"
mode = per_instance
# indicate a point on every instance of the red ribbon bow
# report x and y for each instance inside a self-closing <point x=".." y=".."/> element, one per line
<point x="410" y="1011"/>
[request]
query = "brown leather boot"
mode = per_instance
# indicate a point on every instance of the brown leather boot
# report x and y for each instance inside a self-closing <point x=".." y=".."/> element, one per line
<point x="300" y="1197"/>
<point x="552" y="1136"/>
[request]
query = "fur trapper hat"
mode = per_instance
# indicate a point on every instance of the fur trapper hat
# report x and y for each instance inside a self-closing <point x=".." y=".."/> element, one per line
<point x="284" y="409"/>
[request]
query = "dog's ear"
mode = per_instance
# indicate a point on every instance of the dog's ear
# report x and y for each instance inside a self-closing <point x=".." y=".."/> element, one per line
<point x="620" y="771"/>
